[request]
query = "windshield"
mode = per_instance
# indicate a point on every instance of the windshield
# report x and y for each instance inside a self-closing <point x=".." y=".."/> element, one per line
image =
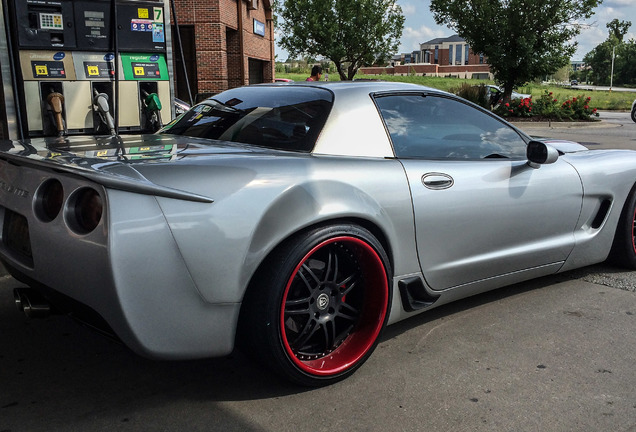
<point x="279" y="117"/>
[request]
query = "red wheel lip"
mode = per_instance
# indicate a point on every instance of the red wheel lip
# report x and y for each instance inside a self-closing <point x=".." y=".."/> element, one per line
<point x="353" y="348"/>
<point x="634" y="234"/>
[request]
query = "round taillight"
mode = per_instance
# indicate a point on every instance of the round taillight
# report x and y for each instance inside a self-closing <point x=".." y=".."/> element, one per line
<point x="49" y="200"/>
<point x="84" y="210"/>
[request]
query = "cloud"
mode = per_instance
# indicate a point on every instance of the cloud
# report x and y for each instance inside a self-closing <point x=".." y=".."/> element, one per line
<point x="408" y="9"/>
<point x="597" y="32"/>
<point x="619" y="3"/>
<point x="412" y="38"/>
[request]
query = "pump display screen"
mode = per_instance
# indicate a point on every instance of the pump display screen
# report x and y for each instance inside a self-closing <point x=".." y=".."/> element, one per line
<point x="93" y="25"/>
<point x="48" y="69"/>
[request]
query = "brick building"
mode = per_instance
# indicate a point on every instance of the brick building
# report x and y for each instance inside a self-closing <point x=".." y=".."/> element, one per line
<point x="449" y="56"/>
<point x="226" y="44"/>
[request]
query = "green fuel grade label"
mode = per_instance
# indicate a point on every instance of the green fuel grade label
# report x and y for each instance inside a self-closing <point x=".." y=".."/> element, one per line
<point x="145" y="67"/>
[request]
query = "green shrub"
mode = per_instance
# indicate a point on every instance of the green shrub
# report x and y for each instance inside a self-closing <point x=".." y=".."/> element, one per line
<point x="477" y="94"/>
<point x="547" y="106"/>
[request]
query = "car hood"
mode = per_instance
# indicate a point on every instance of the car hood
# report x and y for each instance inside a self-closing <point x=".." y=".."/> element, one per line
<point x="118" y="162"/>
<point x="563" y="146"/>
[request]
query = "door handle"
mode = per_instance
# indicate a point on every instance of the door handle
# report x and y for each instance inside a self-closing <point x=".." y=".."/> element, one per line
<point x="437" y="181"/>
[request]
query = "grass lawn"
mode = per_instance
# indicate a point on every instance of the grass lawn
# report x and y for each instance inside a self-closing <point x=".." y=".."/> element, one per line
<point x="602" y="100"/>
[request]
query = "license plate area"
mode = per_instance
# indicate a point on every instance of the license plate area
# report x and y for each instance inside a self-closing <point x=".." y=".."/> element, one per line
<point x="15" y="236"/>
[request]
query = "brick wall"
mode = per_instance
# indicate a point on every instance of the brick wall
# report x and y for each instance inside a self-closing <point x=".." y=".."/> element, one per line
<point x="464" y="71"/>
<point x="222" y="49"/>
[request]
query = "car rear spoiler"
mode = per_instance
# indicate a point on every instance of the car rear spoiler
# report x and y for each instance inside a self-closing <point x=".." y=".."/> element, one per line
<point x="100" y="173"/>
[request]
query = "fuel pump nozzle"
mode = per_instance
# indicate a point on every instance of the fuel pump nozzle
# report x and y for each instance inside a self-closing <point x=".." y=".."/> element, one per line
<point x="152" y="105"/>
<point x="100" y="102"/>
<point x="56" y="102"/>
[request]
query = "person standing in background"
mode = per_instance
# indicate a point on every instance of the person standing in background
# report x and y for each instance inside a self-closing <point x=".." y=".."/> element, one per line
<point x="316" y="73"/>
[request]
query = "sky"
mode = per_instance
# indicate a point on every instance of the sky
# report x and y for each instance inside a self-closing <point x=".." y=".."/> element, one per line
<point x="420" y="26"/>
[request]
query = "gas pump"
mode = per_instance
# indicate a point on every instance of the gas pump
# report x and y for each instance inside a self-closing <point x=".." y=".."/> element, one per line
<point x="102" y="109"/>
<point x="142" y="38"/>
<point x="73" y="76"/>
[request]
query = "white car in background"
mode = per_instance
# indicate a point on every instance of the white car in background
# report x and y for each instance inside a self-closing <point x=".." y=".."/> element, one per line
<point x="495" y="94"/>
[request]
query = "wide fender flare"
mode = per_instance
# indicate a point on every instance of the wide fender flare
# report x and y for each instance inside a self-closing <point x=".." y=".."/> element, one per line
<point x="319" y="202"/>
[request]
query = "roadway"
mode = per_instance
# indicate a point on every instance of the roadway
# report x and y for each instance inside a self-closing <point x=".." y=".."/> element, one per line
<point x="612" y="130"/>
<point x="554" y="354"/>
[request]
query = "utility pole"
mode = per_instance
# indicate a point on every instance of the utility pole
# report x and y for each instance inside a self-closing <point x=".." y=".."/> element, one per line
<point x="612" y="73"/>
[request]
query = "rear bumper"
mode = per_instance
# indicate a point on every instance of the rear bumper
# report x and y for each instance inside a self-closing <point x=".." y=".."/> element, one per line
<point x="128" y="271"/>
<point x="160" y="330"/>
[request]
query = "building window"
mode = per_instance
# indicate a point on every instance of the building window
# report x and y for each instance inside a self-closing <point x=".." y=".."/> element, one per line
<point x="450" y="54"/>
<point x="458" y="54"/>
<point x="481" y="59"/>
<point x="466" y="51"/>
<point x="436" y="54"/>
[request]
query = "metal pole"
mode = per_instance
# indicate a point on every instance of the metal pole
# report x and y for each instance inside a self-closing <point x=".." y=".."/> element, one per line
<point x="115" y="46"/>
<point x="612" y="74"/>
<point x="178" y="32"/>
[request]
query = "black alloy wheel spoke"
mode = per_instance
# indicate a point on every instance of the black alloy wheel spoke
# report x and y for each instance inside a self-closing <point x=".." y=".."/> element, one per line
<point x="332" y="261"/>
<point x="307" y="332"/>
<point x="350" y="282"/>
<point x="348" y="312"/>
<point x="297" y="302"/>
<point x="313" y="275"/>
<point x="329" y="330"/>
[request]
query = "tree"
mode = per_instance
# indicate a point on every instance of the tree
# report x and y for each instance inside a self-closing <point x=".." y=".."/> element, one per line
<point x="523" y="39"/>
<point x="600" y="58"/>
<point x="618" y="28"/>
<point x="600" y="62"/>
<point x="350" y="33"/>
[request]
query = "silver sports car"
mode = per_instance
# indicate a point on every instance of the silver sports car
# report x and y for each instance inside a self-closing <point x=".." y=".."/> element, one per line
<point x="298" y="220"/>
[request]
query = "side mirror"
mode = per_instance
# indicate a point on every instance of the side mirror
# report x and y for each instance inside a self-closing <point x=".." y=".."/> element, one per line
<point x="540" y="153"/>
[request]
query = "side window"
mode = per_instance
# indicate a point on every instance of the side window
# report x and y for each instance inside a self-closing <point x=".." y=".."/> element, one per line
<point x="437" y="127"/>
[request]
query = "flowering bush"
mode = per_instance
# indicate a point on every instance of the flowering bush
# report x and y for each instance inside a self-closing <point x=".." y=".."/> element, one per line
<point x="578" y="108"/>
<point x="548" y="107"/>
<point x="516" y="108"/>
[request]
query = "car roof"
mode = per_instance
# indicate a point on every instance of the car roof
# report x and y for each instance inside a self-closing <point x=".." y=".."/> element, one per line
<point x="358" y="86"/>
<point x="354" y="126"/>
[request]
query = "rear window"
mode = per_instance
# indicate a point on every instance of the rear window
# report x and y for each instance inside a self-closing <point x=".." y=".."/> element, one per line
<point x="279" y="117"/>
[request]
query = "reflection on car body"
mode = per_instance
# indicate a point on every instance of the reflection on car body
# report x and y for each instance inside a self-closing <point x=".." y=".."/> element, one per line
<point x="298" y="221"/>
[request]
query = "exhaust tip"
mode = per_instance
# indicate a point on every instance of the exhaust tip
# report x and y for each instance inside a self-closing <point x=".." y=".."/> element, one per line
<point x="32" y="303"/>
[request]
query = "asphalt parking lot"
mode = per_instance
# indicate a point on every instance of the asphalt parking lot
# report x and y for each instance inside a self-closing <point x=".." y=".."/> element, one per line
<point x="553" y="354"/>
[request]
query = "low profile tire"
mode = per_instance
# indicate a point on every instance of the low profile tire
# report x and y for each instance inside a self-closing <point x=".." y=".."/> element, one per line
<point x="316" y="308"/>
<point x="624" y="247"/>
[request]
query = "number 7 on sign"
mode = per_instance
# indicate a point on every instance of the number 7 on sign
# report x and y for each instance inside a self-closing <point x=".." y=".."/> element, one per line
<point x="158" y="13"/>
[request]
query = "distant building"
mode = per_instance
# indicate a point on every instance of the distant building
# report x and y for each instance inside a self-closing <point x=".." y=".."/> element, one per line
<point x="449" y="51"/>
<point x="578" y="65"/>
<point x="449" y="56"/>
